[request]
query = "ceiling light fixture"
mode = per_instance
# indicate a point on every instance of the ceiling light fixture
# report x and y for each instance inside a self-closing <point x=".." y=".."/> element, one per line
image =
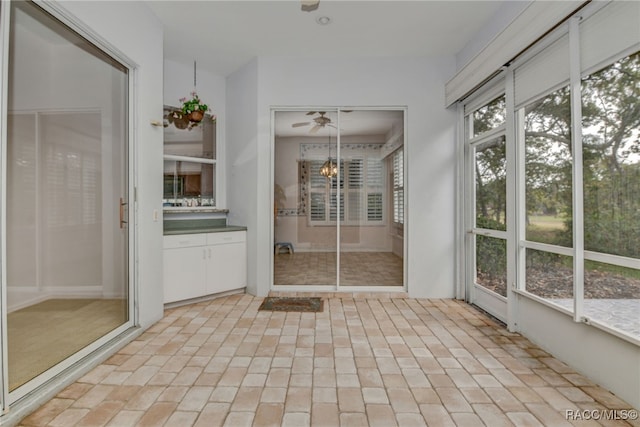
<point x="329" y="169"/>
<point x="309" y="5"/>
<point x="323" y="20"/>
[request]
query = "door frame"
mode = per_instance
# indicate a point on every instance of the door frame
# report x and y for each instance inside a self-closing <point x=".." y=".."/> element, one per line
<point x="337" y="287"/>
<point x="501" y="307"/>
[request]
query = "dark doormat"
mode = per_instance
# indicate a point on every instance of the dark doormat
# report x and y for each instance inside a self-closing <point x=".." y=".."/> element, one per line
<point x="308" y="304"/>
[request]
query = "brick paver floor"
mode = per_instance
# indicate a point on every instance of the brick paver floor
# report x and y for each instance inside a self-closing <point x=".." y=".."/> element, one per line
<point x="363" y="361"/>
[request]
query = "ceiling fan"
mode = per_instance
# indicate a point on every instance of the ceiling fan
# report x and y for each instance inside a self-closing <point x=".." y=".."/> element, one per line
<point x="317" y="122"/>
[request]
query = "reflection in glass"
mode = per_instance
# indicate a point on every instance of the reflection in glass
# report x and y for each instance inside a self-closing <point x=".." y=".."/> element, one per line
<point x="305" y="201"/>
<point x="371" y="248"/>
<point x="491" y="184"/>
<point x="548" y="170"/>
<point x="67" y="249"/>
<point x="611" y="152"/>
<point x="366" y="199"/>
<point x="184" y="139"/>
<point x="491" y="264"/>
<point x="550" y="276"/>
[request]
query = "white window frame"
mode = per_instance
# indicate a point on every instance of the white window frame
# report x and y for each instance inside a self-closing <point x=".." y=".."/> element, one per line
<point x="492" y="302"/>
<point x="577" y="252"/>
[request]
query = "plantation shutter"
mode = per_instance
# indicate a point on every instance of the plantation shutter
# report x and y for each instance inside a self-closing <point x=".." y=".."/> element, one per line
<point x="317" y="190"/>
<point x="356" y="173"/>
<point x="317" y="207"/>
<point x="374" y="207"/>
<point x="398" y="186"/>
<point x="374" y="189"/>
<point x="355" y="178"/>
<point x="316" y="180"/>
<point x="333" y="207"/>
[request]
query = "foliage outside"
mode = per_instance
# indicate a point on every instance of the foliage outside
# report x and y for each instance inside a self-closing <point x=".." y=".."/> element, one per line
<point x="611" y="156"/>
<point x="611" y="180"/>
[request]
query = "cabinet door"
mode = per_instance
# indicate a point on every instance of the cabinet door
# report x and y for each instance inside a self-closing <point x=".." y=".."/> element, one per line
<point x="184" y="273"/>
<point x="226" y="267"/>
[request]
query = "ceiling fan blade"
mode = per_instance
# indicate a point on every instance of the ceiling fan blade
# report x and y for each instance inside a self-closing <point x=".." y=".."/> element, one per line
<point x="310" y="113"/>
<point x="346" y="111"/>
<point x="315" y="129"/>
<point x="297" y="125"/>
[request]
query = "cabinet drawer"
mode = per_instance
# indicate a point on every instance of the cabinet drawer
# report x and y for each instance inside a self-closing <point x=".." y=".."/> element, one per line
<point x="184" y="240"/>
<point x="226" y="237"/>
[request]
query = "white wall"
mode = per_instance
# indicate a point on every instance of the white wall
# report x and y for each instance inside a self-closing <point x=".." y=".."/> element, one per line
<point x="504" y="15"/>
<point x="418" y="84"/>
<point x="131" y="28"/>
<point x="242" y="161"/>
<point x="606" y="359"/>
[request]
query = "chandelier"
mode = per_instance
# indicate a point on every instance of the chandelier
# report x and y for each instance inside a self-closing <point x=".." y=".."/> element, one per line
<point x="329" y="169"/>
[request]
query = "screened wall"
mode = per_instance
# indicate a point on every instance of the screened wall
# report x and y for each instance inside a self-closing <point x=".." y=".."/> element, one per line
<point x="552" y="160"/>
<point x="550" y="185"/>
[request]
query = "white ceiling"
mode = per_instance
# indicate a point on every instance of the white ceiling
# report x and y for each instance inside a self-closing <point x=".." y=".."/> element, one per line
<point x="224" y="35"/>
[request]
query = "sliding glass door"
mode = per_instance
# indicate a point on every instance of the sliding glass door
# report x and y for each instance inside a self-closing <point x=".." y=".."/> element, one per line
<point x="371" y="228"/>
<point x="336" y="173"/>
<point x="66" y="212"/>
<point x="307" y="194"/>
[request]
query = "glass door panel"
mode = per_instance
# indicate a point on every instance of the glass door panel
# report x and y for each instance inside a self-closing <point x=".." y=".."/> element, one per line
<point x="307" y="198"/>
<point x="486" y="198"/>
<point x="490" y="208"/>
<point x="67" y="240"/>
<point x="345" y="185"/>
<point x="372" y="198"/>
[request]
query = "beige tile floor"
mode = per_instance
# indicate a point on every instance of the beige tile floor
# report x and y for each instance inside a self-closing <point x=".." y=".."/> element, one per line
<point x="356" y="269"/>
<point x="366" y="360"/>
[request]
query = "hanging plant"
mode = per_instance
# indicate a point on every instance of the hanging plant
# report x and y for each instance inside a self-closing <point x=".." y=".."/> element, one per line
<point x="194" y="108"/>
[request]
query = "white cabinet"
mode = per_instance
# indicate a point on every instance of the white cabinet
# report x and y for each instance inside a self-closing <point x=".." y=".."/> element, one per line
<point x="226" y="261"/>
<point x="184" y="266"/>
<point x="197" y="265"/>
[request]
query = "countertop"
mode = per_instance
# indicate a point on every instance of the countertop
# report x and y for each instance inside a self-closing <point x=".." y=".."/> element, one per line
<point x="193" y="226"/>
<point x="195" y="230"/>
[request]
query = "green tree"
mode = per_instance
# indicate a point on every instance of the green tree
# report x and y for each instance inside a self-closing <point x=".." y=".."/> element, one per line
<point x="611" y="154"/>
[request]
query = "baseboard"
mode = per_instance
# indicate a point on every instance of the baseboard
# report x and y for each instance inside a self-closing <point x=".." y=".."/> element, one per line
<point x="204" y="298"/>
